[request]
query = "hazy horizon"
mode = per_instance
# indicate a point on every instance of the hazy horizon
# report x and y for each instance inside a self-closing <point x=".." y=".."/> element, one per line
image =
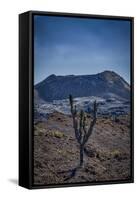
<point x="76" y="46"/>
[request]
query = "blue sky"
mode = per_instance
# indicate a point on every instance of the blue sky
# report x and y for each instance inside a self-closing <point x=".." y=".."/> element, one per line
<point x="64" y="45"/>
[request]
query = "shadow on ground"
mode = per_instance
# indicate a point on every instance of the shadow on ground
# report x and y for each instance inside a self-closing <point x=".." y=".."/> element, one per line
<point x="71" y="173"/>
<point x="14" y="181"/>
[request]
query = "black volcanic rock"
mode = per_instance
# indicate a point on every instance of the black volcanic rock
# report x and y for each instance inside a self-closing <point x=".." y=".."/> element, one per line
<point x="101" y="84"/>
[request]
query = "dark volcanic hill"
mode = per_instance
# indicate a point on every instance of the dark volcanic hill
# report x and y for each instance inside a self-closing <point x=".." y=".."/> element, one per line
<point x="101" y="84"/>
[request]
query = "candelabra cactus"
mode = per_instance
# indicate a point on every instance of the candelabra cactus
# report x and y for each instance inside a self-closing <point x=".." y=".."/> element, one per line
<point x="82" y="133"/>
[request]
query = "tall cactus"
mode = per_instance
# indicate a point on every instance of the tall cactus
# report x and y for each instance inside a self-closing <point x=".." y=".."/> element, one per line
<point x="82" y="134"/>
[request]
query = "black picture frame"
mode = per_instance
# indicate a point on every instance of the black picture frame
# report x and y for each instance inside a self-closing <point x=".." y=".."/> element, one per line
<point x="26" y="96"/>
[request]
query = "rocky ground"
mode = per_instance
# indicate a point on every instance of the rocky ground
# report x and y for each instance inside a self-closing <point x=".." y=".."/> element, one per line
<point x="56" y="151"/>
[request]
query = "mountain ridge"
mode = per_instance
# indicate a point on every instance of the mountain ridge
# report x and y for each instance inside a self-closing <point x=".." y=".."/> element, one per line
<point x="57" y="87"/>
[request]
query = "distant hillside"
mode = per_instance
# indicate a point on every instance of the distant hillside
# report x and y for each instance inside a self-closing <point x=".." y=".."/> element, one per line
<point x="101" y="85"/>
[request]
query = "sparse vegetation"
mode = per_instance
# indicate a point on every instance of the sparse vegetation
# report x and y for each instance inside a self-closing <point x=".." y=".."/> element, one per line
<point x="115" y="153"/>
<point x="82" y="133"/>
<point x="57" y="134"/>
<point x="107" y="152"/>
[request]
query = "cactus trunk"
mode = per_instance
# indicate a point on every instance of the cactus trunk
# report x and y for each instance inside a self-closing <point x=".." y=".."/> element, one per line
<point x="81" y="154"/>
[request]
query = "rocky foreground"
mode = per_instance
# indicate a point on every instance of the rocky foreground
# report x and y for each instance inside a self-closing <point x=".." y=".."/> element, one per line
<point x="56" y="151"/>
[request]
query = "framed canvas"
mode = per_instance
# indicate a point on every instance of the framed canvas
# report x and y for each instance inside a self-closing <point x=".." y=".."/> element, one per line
<point x="75" y="99"/>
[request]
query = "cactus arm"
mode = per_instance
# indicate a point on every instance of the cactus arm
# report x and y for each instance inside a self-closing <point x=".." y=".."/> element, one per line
<point x="81" y="123"/>
<point x="71" y="104"/>
<point x="75" y="125"/>
<point x="84" y="125"/>
<point x="90" y="131"/>
<point x="75" y="122"/>
<point x="92" y="124"/>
